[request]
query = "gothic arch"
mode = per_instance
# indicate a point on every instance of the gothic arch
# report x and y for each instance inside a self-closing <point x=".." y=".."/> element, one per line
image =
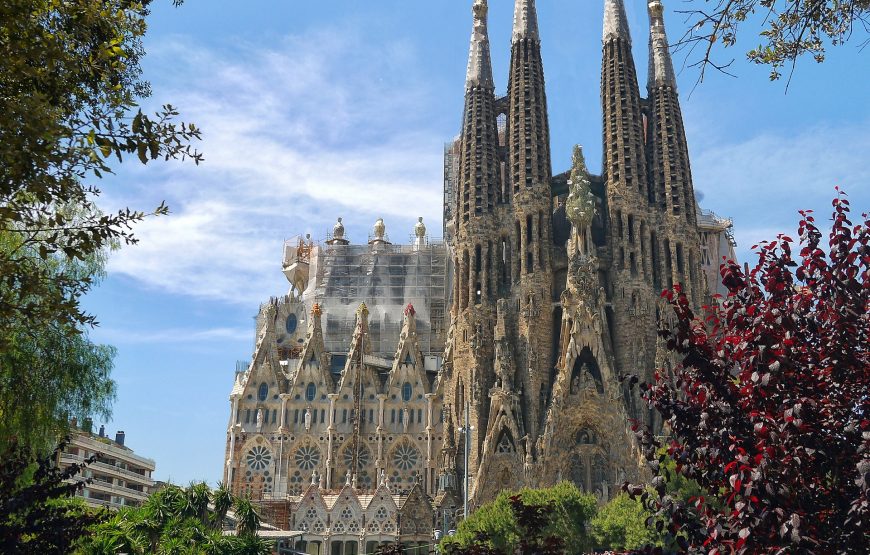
<point x="585" y="368"/>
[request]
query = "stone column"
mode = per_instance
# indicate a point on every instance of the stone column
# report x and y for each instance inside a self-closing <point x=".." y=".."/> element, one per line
<point x="234" y="403"/>
<point x="380" y="463"/>
<point x="329" y="432"/>
<point x="283" y="427"/>
<point x="430" y="428"/>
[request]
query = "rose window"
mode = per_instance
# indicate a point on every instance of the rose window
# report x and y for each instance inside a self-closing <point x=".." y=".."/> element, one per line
<point x="307" y="457"/>
<point x="406" y="457"/>
<point x="363" y="457"/>
<point x="259" y="458"/>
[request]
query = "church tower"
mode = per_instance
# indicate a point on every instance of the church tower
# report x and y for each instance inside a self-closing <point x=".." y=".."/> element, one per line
<point x="477" y="223"/>
<point x="631" y="231"/>
<point x="670" y="173"/>
<point x="530" y="171"/>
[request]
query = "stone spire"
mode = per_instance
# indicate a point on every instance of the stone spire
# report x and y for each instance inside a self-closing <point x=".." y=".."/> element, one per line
<point x="615" y="21"/>
<point x="661" y="67"/>
<point x="525" y="20"/>
<point x="530" y="171"/>
<point x="479" y="59"/>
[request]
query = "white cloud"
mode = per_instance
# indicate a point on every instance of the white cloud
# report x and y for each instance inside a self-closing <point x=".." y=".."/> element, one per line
<point x="322" y="126"/>
<point x="171" y="335"/>
<point x="762" y="182"/>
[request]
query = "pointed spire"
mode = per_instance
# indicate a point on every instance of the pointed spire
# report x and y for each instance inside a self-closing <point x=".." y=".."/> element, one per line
<point x="525" y="21"/>
<point x="479" y="60"/>
<point x="661" y="67"/>
<point x="615" y="21"/>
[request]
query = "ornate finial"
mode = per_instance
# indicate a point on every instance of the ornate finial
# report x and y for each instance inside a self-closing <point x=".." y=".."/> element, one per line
<point x="379" y="229"/>
<point x="316" y="311"/>
<point x="525" y="20"/>
<point x="347" y="478"/>
<point x="338" y="230"/>
<point x="479" y="60"/>
<point x="580" y="205"/>
<point x="615" y="21"/>
<point x="661" y="67"/>
<point x="362" y="311"/>
<point x="314" y="477"/>
<point x="409" y="310"/>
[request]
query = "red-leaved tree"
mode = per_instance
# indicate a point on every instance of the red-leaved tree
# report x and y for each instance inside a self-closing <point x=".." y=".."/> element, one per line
<point x="770" y="409"/>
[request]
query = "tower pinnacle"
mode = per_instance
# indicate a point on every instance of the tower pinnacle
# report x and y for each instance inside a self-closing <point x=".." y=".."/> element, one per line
<point x="525" y="21"/>
<point x="661" y="67"/>
<point x="615" y="21"/>
<point x="479" y="60"/>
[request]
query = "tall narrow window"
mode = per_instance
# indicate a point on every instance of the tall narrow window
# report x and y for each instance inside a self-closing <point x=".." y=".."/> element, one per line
<point x="263" y="392"/>
<point x="310" y="392"/>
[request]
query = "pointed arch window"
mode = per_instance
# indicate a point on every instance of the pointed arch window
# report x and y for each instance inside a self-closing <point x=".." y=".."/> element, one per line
<point x="505" y="443"/>
<point x="263" y="392"/>
<point x="310" y="392"/>
<point x="407" y="391"/>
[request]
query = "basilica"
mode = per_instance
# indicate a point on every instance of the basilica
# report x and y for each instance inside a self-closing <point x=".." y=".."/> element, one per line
<point x="398" y="382"/>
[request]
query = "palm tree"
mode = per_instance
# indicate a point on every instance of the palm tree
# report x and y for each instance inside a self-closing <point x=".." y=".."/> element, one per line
<point x="222" y="500"/>
<point x="194" y="502"/>
<point x="247" y="519"/>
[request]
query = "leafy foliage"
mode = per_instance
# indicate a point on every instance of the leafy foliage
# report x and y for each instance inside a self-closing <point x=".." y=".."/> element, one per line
<point x="551" y="520"/>
<point x="184" y="521"/>
<point x="622" y="524"/>
<point x="67" y="375"/>
<point x="769" y="408"/>
<point x="792" y="28"/>
<point x="37" y="514"/>
<point x="70" y="81"/>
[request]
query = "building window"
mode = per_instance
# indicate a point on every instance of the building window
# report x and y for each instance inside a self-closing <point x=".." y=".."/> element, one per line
<point x="296" y="416"/>
<point x="247" y="416"/>
<point x="419" y="416"/>
<point x="263" y="392"/>
<point x="406" y="391"/>
<point x="310" y="392"/>
<point x="291" y="323"/>
<point x="274" y="416"/>
<point x="343" y="416"/>
<point x="393" y="416"/>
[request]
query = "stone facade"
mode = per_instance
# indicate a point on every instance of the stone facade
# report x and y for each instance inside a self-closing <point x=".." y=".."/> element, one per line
<point x="558" y="278"/>
<point x="494" y="358"/>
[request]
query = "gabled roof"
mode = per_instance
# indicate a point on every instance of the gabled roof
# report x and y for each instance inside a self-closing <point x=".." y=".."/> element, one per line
<point x="408" y="352"/>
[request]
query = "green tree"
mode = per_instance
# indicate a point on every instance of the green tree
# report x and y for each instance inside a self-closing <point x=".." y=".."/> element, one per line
<point x="789" y="29"/>
<point x="623" y="524"/>
<point x="37" y="512"/>
<point x="70" y="84"/>
<point x="184" y="521"/>
<point x="66" y="374"/>
<point x="496" y="524"/>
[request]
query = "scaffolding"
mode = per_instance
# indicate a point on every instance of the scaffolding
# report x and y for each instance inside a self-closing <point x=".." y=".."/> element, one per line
<point x="387" y="278"/>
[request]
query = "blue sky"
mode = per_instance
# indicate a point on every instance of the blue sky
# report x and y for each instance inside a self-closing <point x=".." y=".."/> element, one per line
<point x="314" y="110"/>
